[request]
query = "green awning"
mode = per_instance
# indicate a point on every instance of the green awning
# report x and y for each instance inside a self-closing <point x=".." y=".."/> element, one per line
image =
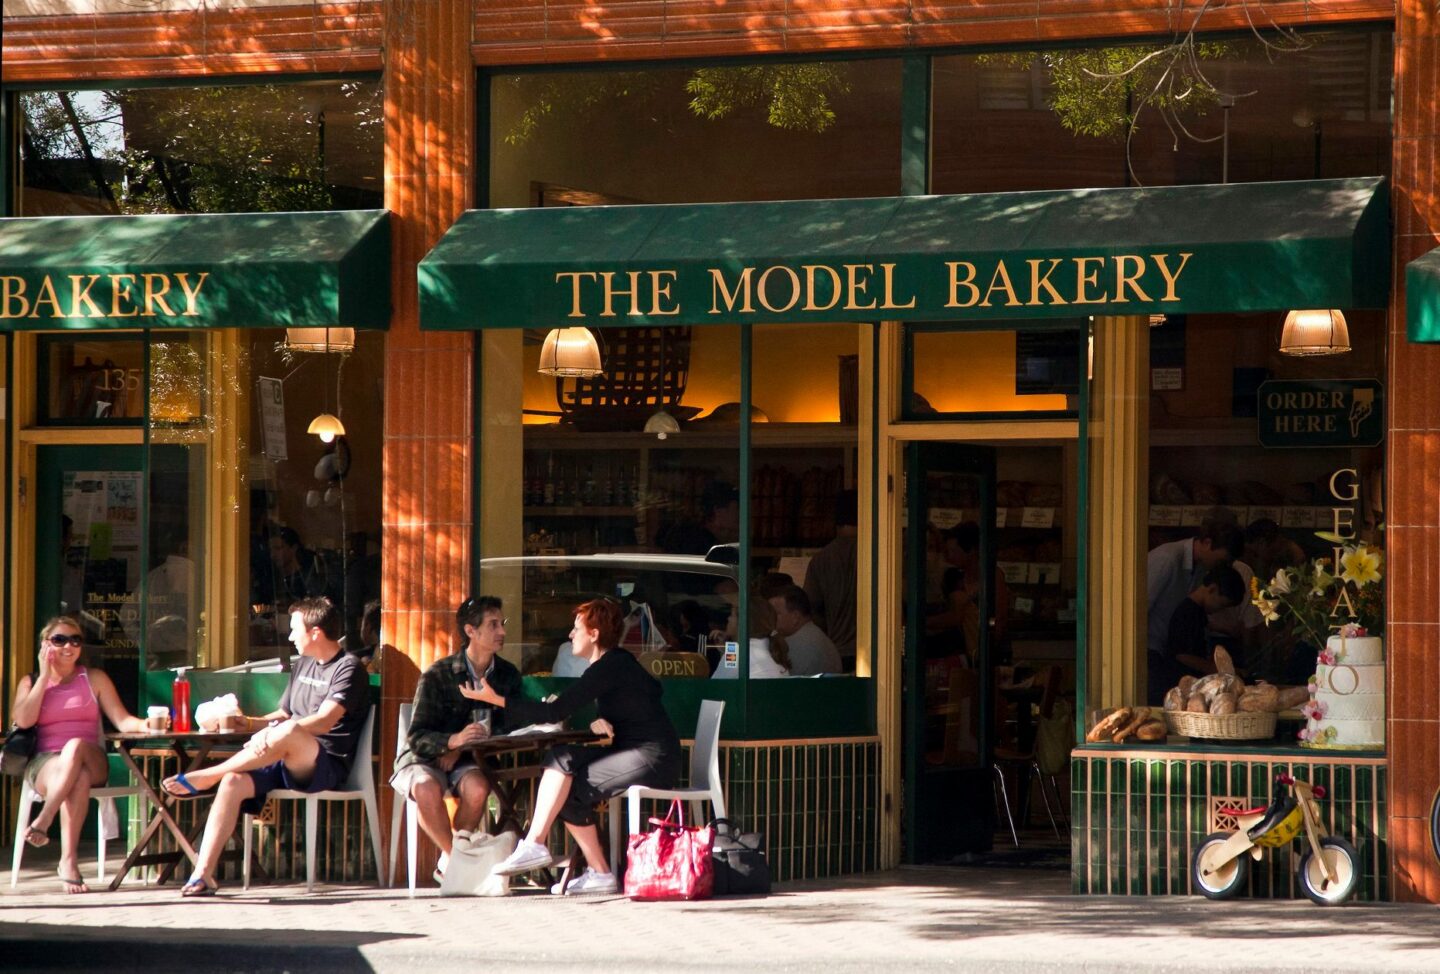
<point x="1422" y="298"/>
<point x="1242" y="247"/>
<point x="222" y="270"/>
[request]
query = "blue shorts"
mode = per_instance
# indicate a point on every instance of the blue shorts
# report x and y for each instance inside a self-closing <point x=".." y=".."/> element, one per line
<point x="330" y="772"/>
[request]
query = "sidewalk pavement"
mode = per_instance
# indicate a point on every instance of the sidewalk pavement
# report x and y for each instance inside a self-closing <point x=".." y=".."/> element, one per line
<point x="932" y="918"/>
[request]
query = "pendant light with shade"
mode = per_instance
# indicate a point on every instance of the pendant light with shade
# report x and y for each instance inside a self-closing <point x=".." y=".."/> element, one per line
<point x="327" y="426"/>
<point x="570" y="353"/>
<point x="1311" y="332"/>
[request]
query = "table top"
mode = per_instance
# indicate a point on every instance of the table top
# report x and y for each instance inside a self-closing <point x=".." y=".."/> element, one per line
<point x="504" y="743"/>
<point x="220" y="737"/>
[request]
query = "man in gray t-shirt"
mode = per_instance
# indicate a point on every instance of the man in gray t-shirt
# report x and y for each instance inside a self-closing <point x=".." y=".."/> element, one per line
<point x="811" y="651"/>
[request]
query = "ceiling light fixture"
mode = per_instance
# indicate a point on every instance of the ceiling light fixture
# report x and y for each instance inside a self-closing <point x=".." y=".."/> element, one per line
<point x="570" y="353"/>
<point x="1312" y="331"/>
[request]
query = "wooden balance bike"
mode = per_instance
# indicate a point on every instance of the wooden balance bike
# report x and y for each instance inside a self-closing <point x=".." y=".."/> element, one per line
<point x="1328" y="868"/>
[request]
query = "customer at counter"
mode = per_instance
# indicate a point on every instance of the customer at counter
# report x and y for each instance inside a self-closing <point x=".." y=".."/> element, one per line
<point x="830" y="579"/>
<point x="645" y="749"/>
<point x="1173" y="569"/>
<point x="1188" y="649"/>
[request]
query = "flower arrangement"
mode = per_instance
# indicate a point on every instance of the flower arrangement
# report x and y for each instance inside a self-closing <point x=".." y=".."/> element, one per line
<point x="1327" y="594"/>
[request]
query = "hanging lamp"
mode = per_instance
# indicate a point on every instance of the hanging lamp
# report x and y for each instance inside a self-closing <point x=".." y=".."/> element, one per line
<point x="327" y="426"/>
<point x="1312" y="331"/>
<point x="570" y="353"/>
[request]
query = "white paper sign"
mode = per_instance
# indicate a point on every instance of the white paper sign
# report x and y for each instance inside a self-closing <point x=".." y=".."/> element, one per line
<point x="1191" y="517"/>
<point x="946" y="518"/>
<point x="1015" y="572"/>
<point x="1273" y="513"/>
<point x="272" y="418"/>
<point x="1000" y="513"/>
<point x="1023" y="604"/>
<point x="1037" y="517"/>
<point x="1162" y="380"/>
<point x="1165" y="515"/>
<point x="1297" y="517"/>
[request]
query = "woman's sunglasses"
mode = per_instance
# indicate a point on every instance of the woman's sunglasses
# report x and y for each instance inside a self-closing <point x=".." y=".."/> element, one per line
<point x="61" y="639"/>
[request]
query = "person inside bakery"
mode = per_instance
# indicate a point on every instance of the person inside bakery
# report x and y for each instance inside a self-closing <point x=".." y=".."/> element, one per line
<point x="1188" y="649"/>
<point x="1240" y="627"/>
<point x="1267" y="550"/>
<point x="1173" y="569"/>
<point x="960" y="612"/>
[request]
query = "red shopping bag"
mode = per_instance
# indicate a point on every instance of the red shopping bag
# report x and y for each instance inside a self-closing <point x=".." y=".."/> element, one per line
<point x="671" y="861"/>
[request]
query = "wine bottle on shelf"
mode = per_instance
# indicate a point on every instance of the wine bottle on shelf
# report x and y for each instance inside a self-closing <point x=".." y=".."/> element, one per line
<point x="547" y="494"/>
<point x="587" y="489"/>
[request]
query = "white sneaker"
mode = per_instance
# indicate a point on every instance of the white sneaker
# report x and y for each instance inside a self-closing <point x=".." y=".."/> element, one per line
<point x="527" y="856"/>
<point x="588" y="882"/>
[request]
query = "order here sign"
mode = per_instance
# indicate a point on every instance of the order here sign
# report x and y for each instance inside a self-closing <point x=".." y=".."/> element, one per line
<point x="1320" y="412"/>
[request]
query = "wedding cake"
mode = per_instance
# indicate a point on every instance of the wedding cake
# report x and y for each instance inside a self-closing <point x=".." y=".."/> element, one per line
<point x="1347" y="693"/>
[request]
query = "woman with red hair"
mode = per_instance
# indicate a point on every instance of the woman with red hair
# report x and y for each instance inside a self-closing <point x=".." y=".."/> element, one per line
<point x="645" y="749"/>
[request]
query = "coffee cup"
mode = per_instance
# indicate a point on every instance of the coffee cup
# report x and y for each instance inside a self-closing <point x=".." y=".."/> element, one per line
<point x="231" y="723"/>
<point x="157" y="720"/>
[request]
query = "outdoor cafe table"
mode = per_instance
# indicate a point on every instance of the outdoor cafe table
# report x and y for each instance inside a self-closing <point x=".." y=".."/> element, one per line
<point x="504" y="780"/>
<point x="192" y="751"/>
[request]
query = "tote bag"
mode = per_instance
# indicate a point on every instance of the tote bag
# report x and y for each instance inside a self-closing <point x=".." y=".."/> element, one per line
<point x="671" y="861"/>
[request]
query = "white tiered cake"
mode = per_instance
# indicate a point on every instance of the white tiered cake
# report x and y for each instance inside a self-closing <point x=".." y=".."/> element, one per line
<point x="1347" y="694"/>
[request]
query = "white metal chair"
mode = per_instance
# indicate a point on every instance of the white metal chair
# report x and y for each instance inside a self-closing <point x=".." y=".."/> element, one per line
<point x="360" y="786"/>
<point x="704" y="779"/>
<point x="105" y="796"/>
<point x="403" y="805"/>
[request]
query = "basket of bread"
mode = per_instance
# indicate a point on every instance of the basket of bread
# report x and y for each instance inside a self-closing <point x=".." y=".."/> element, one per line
<point x="1221" y="706"/>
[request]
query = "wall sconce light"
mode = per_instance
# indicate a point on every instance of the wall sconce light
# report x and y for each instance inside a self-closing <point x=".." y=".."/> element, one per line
<point x="570" y="353"/>
<point x="662" y="424"/>
<point x="327" y="426"/>
<point x="1315" y="332"/>
<point x="320" y="339"/>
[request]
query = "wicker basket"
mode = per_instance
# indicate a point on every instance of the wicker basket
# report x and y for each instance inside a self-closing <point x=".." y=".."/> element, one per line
<point x="1222" y="727"/>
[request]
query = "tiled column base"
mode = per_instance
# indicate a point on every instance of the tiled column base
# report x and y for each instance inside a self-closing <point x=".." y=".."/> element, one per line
<point x="1138" y="815"/>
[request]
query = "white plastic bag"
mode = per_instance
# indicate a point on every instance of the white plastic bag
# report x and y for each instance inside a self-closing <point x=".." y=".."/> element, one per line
<point x="470" y="871"/>
<point x="641" y="634"/>
<point x="208" y="714"/>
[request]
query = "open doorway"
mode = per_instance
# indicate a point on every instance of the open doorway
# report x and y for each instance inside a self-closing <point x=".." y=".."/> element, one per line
<point x="990" y="594"/>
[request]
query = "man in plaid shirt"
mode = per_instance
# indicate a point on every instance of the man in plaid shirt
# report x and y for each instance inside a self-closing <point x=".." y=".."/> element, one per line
<point x="434" y="761"/>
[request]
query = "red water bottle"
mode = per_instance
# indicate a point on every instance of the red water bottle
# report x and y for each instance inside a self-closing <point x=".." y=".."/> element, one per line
<point x="180" y="702"/>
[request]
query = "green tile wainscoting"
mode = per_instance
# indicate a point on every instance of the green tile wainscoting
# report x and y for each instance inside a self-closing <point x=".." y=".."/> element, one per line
<point x="816" y="801"/>
<point x="1137" y="815"/>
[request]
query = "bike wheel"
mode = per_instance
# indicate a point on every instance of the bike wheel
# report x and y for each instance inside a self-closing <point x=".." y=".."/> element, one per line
<point x="1214" y="878"/>
<point x="1345" y="864"/>
<point x="1435" y="825"/>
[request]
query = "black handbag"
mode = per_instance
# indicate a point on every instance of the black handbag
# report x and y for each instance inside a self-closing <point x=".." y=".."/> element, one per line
<point x="740" y="866"/>
<point x="20" y="746"/>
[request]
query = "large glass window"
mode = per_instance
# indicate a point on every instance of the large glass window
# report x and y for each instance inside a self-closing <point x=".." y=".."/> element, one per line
<point x="243" y="510"/>
<point x="1307" y="108"/>
<point x="685" y="135"/>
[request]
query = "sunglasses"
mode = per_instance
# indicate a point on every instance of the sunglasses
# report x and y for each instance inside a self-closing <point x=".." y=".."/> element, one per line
<point x="60" y="639"/>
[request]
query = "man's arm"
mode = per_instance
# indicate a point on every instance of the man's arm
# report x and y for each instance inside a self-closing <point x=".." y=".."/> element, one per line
<point x="429" y="738"/>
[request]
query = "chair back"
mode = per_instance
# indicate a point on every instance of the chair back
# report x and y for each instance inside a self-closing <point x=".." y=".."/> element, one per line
<point x="705" y="755"/>
<point x="402" y="730"/>
<point x="361" y="772"/>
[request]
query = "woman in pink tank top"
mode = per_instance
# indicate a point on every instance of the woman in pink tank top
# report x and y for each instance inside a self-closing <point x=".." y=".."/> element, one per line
<point x="64" y="701"/>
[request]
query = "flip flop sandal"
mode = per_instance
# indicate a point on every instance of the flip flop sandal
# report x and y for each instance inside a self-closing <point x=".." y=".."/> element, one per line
<point x="74" y="885"/>
<point x="198" y="887"/>
<point x="190" y="790"/>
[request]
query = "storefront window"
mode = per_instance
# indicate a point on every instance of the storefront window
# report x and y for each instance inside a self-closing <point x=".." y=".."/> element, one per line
<point x="240" y="509"/>
<point x="629" y="480"/>
<point x="674" y="135"/>
<point x="1280" y="457"/>
<point x="1307" y="108"/>
<point x="954" y="371"/>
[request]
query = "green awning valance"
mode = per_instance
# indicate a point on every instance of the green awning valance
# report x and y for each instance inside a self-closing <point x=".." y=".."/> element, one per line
<point x="1244" y="247"/>
<point x="222" y="270"/>
<point x="1422" y="298"/>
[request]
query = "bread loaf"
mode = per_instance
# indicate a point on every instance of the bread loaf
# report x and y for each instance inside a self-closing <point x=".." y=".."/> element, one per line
<point x="1174" y="699"/>
<point x="1187" y="684"/>
<point x="1107" y="726"/>
<point x="1215" y="684"/>
<point x="1224" y="703"/>
<point x="1223" y="662"/>
<point x="1197" y="705"/>
<point x="1140" y="716"/>
<point x="1292" y="697"/>
<point x="1261" y="698"/>
<point x="1152" y="730"/>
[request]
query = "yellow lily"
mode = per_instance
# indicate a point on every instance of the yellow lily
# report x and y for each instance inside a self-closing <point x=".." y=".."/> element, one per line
<point x="1361" y="566"/>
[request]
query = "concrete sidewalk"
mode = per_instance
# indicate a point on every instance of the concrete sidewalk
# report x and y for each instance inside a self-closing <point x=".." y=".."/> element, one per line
<point x="969" y="919"/>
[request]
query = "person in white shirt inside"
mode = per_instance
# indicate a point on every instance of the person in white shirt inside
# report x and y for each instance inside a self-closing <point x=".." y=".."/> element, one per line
<point x="811" y="651"/>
